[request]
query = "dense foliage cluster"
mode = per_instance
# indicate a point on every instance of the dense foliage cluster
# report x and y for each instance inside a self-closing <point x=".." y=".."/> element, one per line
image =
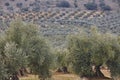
<point x="103" y="6"/>
<point x="22" y="46"/>
<point x="92" y="48"/>
<point x="64" y="4"/>
<point x="91" y="6"/>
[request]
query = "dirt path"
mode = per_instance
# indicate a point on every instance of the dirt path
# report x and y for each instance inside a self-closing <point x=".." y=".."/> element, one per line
<point x="55" y="77"/>
<point x="61" y="76"/>
<point x="65" y="77"/>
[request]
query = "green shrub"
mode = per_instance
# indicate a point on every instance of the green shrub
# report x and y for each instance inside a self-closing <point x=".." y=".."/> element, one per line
<point x="91" y="6"/>
<point x="64" y="4"/>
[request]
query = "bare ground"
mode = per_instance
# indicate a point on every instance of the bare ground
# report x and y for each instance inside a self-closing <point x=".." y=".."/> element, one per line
<point x="61" y="76"/>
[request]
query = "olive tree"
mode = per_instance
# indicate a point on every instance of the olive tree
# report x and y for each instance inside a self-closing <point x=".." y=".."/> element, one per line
<point x="60" y="58"/>
<point x="92" y="48"/>
<point x="12" y="54"/>
<point x="64" y="4"/>
<point x="40" y="58"/>
<point x="22" y="46"/>
<point x="14" y="59"/>
<point x="91" y="6"/>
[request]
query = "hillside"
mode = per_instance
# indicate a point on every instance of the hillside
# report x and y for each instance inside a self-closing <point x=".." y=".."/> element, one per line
<point x="56" y="22"/>
<point x="37" y="5"/>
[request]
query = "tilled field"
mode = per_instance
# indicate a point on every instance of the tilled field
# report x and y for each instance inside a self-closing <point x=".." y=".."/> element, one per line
<point x="56" y="24"/>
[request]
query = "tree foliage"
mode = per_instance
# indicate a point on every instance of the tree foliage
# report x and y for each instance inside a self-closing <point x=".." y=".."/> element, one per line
<point x="3" y="70"/>
<point x="14" y="58"/>
<point x="92" y="48"/>
<point x="60" y="57"/>
<point x="22" y="46"/>
<point x="64" y="4"/>
<point x="40" y="58"/>
<point x="105" y="7"/>
<point x="91" y="6"/>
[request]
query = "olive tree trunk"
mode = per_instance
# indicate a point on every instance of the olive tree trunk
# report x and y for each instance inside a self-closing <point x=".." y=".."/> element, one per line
<point x="98" y="72"/>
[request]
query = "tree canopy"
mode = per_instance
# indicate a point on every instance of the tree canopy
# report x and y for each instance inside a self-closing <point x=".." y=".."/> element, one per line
<point x="64" y="4"/>
<point x="92" y="48"/>
<point x="22" y="46"/>
<point x="91" y="6"/>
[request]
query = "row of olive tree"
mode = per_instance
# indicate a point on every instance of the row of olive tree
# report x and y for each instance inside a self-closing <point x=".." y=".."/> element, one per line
<point x="88" y="51"/>
<point x="22" y="46"/>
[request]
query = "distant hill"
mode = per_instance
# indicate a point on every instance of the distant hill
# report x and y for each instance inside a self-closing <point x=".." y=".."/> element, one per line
<point x="57" y="20"/>
<point x="37" y="5"/>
